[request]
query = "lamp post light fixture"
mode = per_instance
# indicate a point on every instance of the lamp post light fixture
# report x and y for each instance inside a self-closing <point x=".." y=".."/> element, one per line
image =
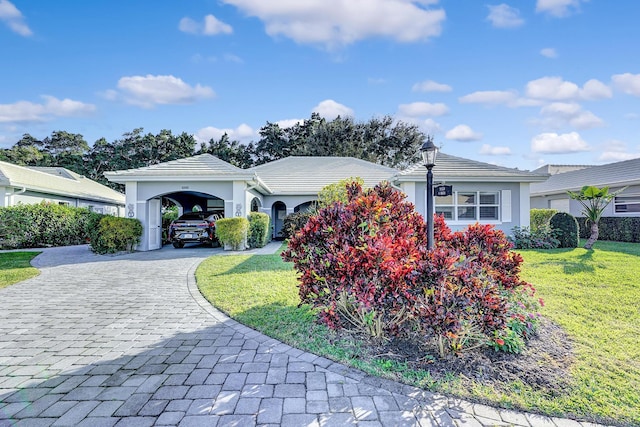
<point x="429" y="153"/>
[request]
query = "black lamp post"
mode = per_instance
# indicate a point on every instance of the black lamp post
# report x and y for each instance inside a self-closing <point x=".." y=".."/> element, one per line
<point x="429" y="153"/>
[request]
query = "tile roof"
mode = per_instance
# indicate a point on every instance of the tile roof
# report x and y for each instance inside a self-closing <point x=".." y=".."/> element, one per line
<point x="59" y="181"/>
<point x="452" y="168"/>
<point x="307" y="175"/>
<point x="202" y="166"/>
<point x="616" y="174"/>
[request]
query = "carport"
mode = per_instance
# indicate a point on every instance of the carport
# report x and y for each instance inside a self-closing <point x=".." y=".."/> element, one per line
<point x="202" y="182"/>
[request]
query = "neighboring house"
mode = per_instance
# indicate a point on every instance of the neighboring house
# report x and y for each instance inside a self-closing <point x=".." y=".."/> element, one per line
<point x="30" y="185"/>
<point x="481" y="192"/>
<point x="553" y="192"/>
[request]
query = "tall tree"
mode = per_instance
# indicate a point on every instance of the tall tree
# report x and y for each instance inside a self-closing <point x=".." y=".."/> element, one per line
<point x="594" y="200"/>
<point x="233" y="152"/>
<point x="66" y="150"/>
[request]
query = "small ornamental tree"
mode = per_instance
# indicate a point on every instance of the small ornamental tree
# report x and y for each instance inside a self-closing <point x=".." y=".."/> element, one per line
<point x="593" y="200"/>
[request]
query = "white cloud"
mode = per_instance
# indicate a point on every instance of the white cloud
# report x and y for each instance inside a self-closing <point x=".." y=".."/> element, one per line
<point x="552" y="88"/>
<point x="595" y="89"/>
<point x="616" y="151"/>
<point x="490" y="97"/>
<point x="463" y="133"/>
<point x="330" y="109"/>
<point x="431" y="86"/>
<point x="149" y="91"/>
<point x="243" y="133"/>
<point x="627" y="83"/>
<point x="559" y="114"/>
<point x="25" y="111"/>
<point x="557" y="8"/>
<point x="553" y="143"/>
<point x="210" y="27"/>
<point x="494" y="150"/>
<point x="10" y="15"/>
<point x="549" y="52"/>
<point x="557" y="89"/>
<point x="504" y="16"/>
<point x="336" y="23"/>
<point x="423" y="109"/>
<point x="288" y="123"/>
<point x="431" y="126"/>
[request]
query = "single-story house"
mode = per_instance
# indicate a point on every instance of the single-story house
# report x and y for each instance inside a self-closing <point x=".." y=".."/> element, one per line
<point x="30" y="185"/>
<point x="481" y="192"/>
<point x="552" y="193"/>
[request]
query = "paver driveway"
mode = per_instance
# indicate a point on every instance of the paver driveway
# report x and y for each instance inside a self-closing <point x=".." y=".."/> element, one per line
<point x="127" y="340"/>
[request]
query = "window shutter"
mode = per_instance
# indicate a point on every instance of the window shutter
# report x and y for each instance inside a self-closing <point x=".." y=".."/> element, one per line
<point x="506" y="205"/>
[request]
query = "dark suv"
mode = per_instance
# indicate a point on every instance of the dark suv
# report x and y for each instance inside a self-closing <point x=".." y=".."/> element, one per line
<point x="194" y="227"/>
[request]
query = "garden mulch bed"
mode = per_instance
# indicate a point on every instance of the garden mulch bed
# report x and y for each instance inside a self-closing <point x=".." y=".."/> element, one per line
<point x="544" y="364"/>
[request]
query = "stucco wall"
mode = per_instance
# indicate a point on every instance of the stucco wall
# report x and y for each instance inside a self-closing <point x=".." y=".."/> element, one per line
<point x="517" y="190"/>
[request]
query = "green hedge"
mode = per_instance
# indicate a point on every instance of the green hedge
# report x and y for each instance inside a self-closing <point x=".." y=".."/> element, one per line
<point x="114" y="234"/>
<point x="618" y="229"/>
<point x="42" y="225"/>
<point x="259" y="229"/>
<point x="232" y="232"/>
<point x="540" y="218"/>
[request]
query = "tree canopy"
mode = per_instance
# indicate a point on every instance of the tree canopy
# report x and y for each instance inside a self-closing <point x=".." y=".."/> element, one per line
<point x="379" y="140"/>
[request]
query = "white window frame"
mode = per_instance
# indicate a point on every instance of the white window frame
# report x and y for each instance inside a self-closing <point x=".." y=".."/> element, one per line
<point x="616" y="204"/>
<point x="477" y="205"/>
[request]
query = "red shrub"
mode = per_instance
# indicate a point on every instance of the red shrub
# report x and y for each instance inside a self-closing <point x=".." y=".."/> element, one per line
<point x="368" y="249"/>
<point x="366" y="262"/>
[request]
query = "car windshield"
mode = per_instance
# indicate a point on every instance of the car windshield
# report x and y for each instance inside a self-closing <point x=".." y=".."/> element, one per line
<point x="198" y="215"/>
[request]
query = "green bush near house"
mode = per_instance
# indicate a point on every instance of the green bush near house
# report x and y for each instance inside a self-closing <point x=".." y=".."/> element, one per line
<point x="294" y="222"/>
<point x="540" y="218"/>
<point x="259" y="229"/>
<point x="114" y="234"/>
<point x="566" y="229"/>
<point x="42" y="225"/>
<point x="232" y="232"/>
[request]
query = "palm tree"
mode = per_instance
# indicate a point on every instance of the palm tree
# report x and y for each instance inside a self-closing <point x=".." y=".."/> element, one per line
<point x="593" y="200"/>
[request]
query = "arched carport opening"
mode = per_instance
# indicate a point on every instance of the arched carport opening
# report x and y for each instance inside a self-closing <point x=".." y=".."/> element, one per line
<point x="278" y="213"/>
<point x="185" y="201"/>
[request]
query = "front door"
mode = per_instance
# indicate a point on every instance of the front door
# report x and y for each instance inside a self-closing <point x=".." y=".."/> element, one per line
<point x="155" y="224"/>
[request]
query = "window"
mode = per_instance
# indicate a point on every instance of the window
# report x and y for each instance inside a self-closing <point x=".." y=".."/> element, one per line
<point x="469" y="206"/>
<point x="627" y="204"/>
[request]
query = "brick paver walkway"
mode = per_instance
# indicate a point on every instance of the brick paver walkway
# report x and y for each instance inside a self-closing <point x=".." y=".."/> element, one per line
<point x="128" y="340"/>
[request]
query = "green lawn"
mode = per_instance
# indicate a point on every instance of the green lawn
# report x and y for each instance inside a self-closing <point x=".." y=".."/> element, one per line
<point x="593" y="295"/>
<point x="15" y="267"/>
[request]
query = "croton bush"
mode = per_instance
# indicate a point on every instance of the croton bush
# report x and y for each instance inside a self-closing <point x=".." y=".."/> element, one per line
<point x="364" y="265"/>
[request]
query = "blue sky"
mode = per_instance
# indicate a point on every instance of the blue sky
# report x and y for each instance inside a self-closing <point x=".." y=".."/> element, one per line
<point x="519" y="84"/>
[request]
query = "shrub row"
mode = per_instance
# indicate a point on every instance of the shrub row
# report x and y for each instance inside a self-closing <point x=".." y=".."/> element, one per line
<point x="111" y="234"/>
<point x="618" y="229"/>
<point x="364" y="265"/>
<point x="232" y="232"/>
<point x="259" y="229"/>
<point x="42" y="225"/>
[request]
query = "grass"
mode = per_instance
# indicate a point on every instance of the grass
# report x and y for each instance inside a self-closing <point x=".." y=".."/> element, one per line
<point x="593" y="295"/>
<point x="15" y="267"/>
